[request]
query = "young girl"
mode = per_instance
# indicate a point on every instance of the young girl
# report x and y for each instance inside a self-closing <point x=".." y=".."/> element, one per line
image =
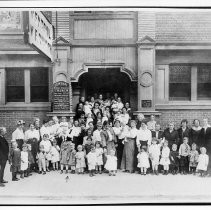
<point x="30" y="160"/>
<point x="41" y="159"/>
<point x="99" y="153"/>
<point x="15" y="161"/>
<point x="143" y="160"/>
<point x="80" y="160"/>
<point x="71" y="157"/>
<point x="193" y="158"/>
<point x="55" y="155"/>
<point x="92" y="161"/>
<point x="47" y="148"/>
<point x="165" y="157"/>
<point x="203" y="162"/>
<point x="154" y="154"/>
<point x="111" y="163"/>
<point x="64" y="152"/>
<point x="24" y="161"/>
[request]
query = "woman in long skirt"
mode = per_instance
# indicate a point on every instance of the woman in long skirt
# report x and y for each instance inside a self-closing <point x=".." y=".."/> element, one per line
<point x="129" y="148"/>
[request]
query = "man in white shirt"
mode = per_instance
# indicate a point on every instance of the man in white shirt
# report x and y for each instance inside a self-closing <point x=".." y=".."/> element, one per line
<point x="18" y="134"/>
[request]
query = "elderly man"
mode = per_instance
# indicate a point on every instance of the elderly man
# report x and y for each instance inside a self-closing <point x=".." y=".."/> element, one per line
<point x="4" y="152"/>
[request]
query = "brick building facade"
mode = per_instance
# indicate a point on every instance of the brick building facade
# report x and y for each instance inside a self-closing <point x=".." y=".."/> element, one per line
<point x="159" y="61"/>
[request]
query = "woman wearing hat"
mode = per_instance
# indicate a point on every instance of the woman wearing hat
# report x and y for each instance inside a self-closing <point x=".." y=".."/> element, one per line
<point x="18" y="134"/>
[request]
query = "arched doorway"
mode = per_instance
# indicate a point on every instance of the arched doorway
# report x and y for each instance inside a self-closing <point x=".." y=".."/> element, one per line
<point x="102" y="81"/>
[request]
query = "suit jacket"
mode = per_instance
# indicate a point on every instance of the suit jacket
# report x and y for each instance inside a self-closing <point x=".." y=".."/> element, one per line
<point x="160" y="134"/>
<point x="4" y="149"/>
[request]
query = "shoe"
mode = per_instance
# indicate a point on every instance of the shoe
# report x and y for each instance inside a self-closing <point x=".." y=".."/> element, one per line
<point x="44" y="173"/>
<point x="93" y="174"/>
<point x="2" y="185"/>
<point x="15" y="179"/>
<point x="4" y="182"/>
<point x="48" y="170"/>
<point x="110" y="174"/>
<point x="72" y="172"/>
<point x="100" y="172"/>
<point x="96" y="172"/>
<point x="22" y="176"/>
<point x="53" y="169"/>
<point x="39" y="172"/>
<point x="90" y="175"/>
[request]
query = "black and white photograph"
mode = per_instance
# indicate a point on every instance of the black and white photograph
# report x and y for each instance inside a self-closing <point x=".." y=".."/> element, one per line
<point x="105" y="105"/>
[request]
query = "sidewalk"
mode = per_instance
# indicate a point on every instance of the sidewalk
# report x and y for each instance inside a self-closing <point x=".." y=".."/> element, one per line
<point x="52" y="188"/>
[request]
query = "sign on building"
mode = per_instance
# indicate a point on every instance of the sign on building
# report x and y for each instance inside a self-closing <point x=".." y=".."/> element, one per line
<point x="40" y="33"/>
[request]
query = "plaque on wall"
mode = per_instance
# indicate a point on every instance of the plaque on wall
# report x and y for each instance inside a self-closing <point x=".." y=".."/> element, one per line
<point x="146" y="103"/>
<point x="61" y="97"/>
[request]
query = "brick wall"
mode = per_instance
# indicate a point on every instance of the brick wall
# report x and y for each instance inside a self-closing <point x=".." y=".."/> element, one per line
<point x="177" y="115"/>
<point x="8" y="119"/>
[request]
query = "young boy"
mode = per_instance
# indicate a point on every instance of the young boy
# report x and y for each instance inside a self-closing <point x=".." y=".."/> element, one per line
<point x="174" y="160"/>
<point x="184" y="152"/>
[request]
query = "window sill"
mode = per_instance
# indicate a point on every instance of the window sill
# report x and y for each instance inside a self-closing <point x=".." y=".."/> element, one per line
<point x="184" y="105"/>
<point x="35" y="106"/>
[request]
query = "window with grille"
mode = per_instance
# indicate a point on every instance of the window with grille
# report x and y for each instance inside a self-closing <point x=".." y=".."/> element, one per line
<point x="179" y="82"/>
<point x="15" y="85"/>
<point x="204" y="82"/>
<point x="39" y="85"/>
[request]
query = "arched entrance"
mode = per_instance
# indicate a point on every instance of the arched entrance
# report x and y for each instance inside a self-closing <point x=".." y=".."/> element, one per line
<point x="102" y="81"/>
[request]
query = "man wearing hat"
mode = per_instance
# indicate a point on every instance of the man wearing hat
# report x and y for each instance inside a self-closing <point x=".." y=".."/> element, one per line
<point x="18" y="134"/>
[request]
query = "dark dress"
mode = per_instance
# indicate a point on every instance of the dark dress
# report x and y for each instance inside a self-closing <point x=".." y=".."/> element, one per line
<point x="174" y="161"/>
<point x="34" y="146"/>
<point x="196" y="137"/>
<point x="171" y="137"/>
<point x="15" y="159"/>
<point x="183" y="134"/>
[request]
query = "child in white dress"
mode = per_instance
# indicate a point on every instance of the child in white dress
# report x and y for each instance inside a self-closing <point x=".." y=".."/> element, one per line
<point x="154" y="154"/>
<point x="165" y="161"/>
<point x="24" y="161"/>
<point x="99" y="153"/>
<point x="143" y="160"/>
<point x="55" y="155"/>
<point x="80" y="160"/>
<point x="92" y="161"/>
<point x="203" y="162"/>
<point x="111" y="163"/>
<point x="41" y="156"/>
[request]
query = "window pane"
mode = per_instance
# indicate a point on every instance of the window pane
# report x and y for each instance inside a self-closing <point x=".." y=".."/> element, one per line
<point x="204" y="82"/>
<point x="15" y="85"/>
<point x="179" y="82"/>
<point x="39" y="85"/>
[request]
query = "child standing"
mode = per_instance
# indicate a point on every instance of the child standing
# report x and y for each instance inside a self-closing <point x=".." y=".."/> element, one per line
<point x="193" y="158"/>
<point x="143" y="160"/>
<point x="203" y="162"/>
<point x="174" y="160"/>
<point x="47" y="148"/>
<point x="80" y="160"/>
<point x="30" y="159"/>
<point x="154" y="154"/>
<point x="24" y="161"/>
<point x="15" y="161"/>
<point x="55" y="155"/>
<point x="71" y="157"/>
<point x="64" y="156"/>
<point x="41" y="159"/>
<point x="165" y="157"/>
<point x="99" y="153"/>
<point x="111" y="163"/>
<point x="184" y="152"/>
<point x="92" y="161"/>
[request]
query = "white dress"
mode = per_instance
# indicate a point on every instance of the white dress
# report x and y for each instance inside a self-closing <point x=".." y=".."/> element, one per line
<point x="24" y="160"/>
<point x="165" y="156"/>
<point x="80" y="160"/>
<point x="203" y="162"/>
<point x="54" y="154"/>
<point x="47" y="147"/>
<point x="92" y="160"/>
<point x="154" y="152"/>
<point x="99" y="153"/>
<point x="111" y="163"/>
<point x="143" y="160"/>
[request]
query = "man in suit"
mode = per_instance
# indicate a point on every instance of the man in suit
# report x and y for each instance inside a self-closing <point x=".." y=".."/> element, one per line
<point x="4" y="152"/>
<point x="157" y="133"/>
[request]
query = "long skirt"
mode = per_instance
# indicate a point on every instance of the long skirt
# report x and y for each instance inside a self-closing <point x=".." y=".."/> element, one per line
<point x="119" y="150"/>
<point x="128" y="155"/>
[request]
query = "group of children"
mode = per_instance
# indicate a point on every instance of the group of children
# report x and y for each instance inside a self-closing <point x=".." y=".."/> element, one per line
<point x="186" y="160"/>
